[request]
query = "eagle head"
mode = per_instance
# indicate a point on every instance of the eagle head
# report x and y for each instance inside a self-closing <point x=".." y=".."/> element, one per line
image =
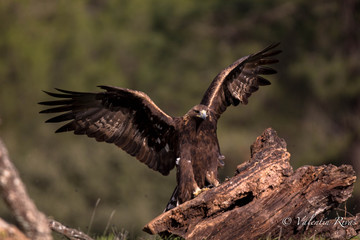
<point x="202" y="114"/>
<point x="199" y="111"/>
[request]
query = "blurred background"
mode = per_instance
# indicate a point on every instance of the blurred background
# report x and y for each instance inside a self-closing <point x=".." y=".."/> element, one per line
<point x="171" y="50"/>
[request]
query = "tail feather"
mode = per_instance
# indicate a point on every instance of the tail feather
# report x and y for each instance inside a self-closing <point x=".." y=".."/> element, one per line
<point x="173" y="202"/>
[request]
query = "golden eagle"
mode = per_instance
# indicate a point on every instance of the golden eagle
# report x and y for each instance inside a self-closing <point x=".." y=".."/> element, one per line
<point x="132" y="121"/>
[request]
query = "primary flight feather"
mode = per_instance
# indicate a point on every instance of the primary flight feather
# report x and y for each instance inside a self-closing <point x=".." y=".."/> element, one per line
<point x="132" y="121"/>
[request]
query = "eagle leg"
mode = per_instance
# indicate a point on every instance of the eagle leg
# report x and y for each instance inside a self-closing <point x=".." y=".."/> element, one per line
<point x="211" y="178"/>
<point x="186" y="181"/>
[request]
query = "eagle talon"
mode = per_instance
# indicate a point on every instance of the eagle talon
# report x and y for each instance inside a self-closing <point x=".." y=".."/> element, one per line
<point x="198" y="191"/>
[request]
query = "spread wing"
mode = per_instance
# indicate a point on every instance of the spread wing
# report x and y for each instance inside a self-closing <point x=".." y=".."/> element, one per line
<point x="236" y="83"/>
<point x="127" y="118"/>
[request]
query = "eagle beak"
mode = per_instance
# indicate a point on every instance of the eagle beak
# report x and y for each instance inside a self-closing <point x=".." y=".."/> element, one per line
<point x="202" y="114"/>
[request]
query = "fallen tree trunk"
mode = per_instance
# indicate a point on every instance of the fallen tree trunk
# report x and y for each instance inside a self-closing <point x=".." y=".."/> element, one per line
<point x="266" y="197"/>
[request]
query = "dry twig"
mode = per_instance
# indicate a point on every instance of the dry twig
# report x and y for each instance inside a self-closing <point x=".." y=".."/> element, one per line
<point x="70" y="233"/>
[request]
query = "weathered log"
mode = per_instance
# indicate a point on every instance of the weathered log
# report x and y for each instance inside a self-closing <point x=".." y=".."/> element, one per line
<point x="32" y="221"/>
<point x="266" y="197"/>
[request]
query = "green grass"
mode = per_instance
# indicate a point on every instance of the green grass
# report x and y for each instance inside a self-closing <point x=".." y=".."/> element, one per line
<point x="123" y="235"/>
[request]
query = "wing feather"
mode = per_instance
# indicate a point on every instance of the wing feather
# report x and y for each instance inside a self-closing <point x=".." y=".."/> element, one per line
<point x="236" y="83"/>
<point x="124" y="117"/>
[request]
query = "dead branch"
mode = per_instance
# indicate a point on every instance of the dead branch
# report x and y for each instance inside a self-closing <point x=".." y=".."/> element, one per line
<point x="266" y="198"/>
<point x="33" y="222"/>
<point x="70" y="233"/>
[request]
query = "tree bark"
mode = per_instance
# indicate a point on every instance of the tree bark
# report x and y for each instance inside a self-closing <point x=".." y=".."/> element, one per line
<point x="266" y="198"/>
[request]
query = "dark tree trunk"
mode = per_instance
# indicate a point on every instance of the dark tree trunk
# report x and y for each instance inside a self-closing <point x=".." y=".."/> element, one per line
<point x="266" y="197"/>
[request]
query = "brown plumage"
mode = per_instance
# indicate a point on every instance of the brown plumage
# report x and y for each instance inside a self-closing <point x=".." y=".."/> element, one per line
<point x="132" y="121"/>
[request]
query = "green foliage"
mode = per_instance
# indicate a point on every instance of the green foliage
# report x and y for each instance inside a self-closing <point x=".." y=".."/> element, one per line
<point x="171" y="50"/>
<point x="118" y="236"/>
